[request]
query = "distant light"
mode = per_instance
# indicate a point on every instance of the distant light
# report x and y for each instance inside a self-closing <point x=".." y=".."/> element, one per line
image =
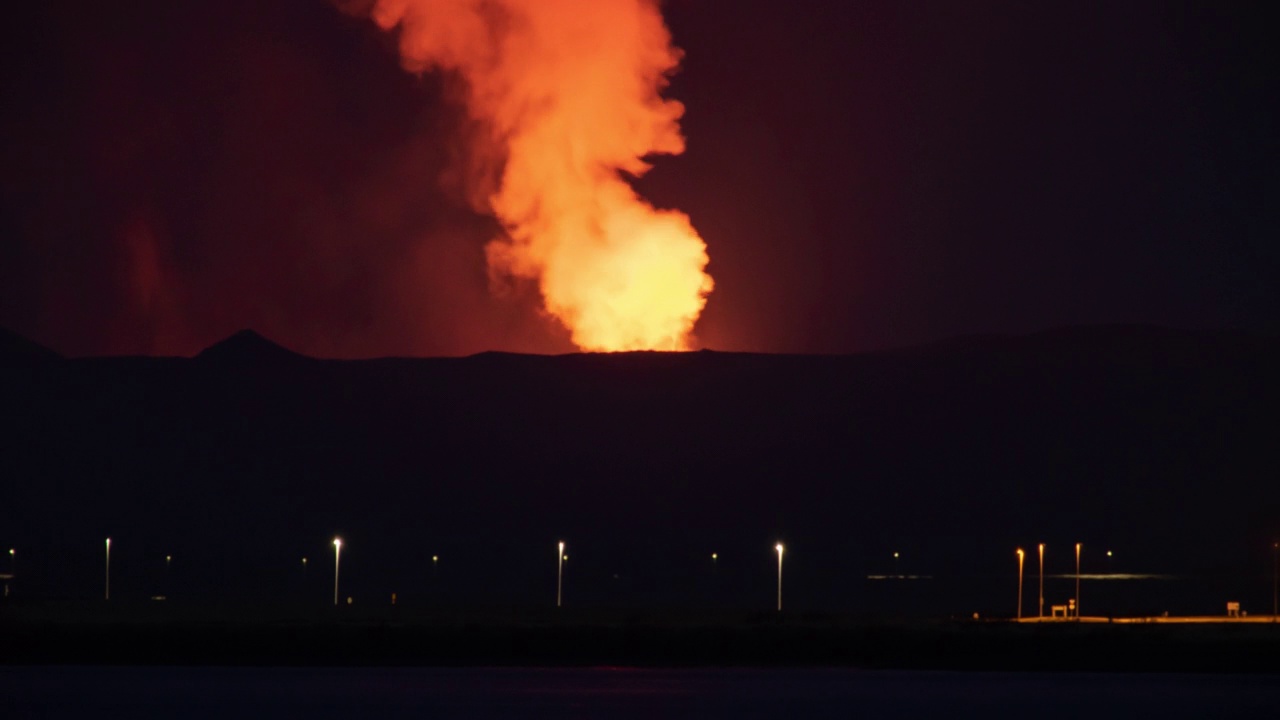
<point x="304" y="561"/>
<point x="1108" y="553"/>
<point x="778" y="547"/>
<point x="566" y="558"/>
<point x="895" y="555"/>
<point x="714" y="556"/>
<point x="435" y="558"/>
<point x="337" y="542"/>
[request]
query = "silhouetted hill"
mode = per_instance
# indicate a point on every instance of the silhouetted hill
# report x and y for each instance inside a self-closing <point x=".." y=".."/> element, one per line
<point x="247" y="347"/>
<point x="1110" y="343"/>
<point x="17" y="350"/>
<point x="1157" y="444"/>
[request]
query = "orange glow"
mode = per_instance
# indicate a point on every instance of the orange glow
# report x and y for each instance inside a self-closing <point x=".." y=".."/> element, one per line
<point x="567" y="94"/>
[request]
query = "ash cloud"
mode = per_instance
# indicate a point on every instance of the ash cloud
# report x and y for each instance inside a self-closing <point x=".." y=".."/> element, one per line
<point x="175" y="172"/>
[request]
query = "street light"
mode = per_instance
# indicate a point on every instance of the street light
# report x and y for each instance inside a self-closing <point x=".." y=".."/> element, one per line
<point x="337" y="556"/>
<point x="778" y="547"/>
<point x="1040" y="612"/>
<point x="108" y="594"/>
<point x="1275" y="580"/>
<point x="1077" y="581"/>
<point x="1020" y="556"/>
<point x="13" y="562"/>
<point x="559" y="572"/>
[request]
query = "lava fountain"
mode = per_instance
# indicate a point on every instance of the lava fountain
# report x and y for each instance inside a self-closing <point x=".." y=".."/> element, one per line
<point x="567" y="94"/>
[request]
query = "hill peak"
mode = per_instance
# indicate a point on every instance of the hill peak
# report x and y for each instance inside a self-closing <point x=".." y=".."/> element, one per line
<point x="248" y="347"/>
<point x="16" y="349"/>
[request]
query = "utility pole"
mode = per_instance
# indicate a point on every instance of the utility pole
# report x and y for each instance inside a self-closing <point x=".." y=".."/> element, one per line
<point x="1040" y="612"/>
<point x="1077" y="581"/>
<point x="1020" y="558"/>
<point x="337" y="556"/>
<point x="559" y="572"/>
<point x="1275" y="580"/>
<point x="778" y="547"/>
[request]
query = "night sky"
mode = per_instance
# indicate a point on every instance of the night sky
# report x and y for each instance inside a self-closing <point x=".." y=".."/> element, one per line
<point x="865" y="175"/>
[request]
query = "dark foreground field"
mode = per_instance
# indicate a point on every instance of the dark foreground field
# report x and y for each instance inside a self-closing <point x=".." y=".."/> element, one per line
<point x="507" y="637"/>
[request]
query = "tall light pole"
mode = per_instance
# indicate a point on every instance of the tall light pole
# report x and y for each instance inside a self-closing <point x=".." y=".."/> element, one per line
<point x="1275" y="579"/>
<point x="1040" y="612"/>
<point x="559" y="572"/>
<point x="108" y="594"/>
<point x="337" y="556"/>
<point x="1020" y="556"/>
<point x="1077" y="581"/>
<point x="778" y="547"/>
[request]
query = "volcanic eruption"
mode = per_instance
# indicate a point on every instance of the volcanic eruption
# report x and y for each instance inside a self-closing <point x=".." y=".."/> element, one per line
<point x="566" y="100"/>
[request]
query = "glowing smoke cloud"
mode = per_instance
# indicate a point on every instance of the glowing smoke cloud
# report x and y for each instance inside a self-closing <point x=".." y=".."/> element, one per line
<point x="568" y="92"/>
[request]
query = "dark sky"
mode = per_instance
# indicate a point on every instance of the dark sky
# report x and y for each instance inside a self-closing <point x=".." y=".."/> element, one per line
<point x="865" y="174"/>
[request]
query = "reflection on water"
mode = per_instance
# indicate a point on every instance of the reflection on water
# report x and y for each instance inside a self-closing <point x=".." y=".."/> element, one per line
<point x="619" y="693"/>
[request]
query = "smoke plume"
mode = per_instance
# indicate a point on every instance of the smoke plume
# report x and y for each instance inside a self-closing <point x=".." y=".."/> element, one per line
<point x="567" y="94"/>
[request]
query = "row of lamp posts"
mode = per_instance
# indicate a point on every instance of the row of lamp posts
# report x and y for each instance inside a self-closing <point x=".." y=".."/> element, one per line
<point x="561" y="557"/>
<point x="1040" y="611"/>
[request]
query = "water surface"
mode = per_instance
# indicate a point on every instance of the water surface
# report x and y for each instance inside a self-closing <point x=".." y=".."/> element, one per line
<point x="620" y="693"/>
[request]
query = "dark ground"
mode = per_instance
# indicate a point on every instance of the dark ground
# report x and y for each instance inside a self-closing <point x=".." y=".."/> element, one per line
<point x="1157" y="444"/>
<point x="141" y="635"/>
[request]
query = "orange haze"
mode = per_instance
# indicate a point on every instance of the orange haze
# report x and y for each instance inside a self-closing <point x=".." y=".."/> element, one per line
<point x="567" y="93"/>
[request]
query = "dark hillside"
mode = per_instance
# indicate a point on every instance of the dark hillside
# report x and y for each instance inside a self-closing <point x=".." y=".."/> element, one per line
<point x="242" y="461"/>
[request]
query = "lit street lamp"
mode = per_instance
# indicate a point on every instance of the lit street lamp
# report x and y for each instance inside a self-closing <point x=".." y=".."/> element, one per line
<point x="778" y="547"/>
<point x="13" y="562"/>
<point x="1040" y="612"/>
<point x="337" y="556"/>
<point x="108" y="593"/>
<point x="559" y="572"/>
<point x="1077" y="581"/>
<point x="1020" y="556"/>
<point x="1275" y="580"/>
